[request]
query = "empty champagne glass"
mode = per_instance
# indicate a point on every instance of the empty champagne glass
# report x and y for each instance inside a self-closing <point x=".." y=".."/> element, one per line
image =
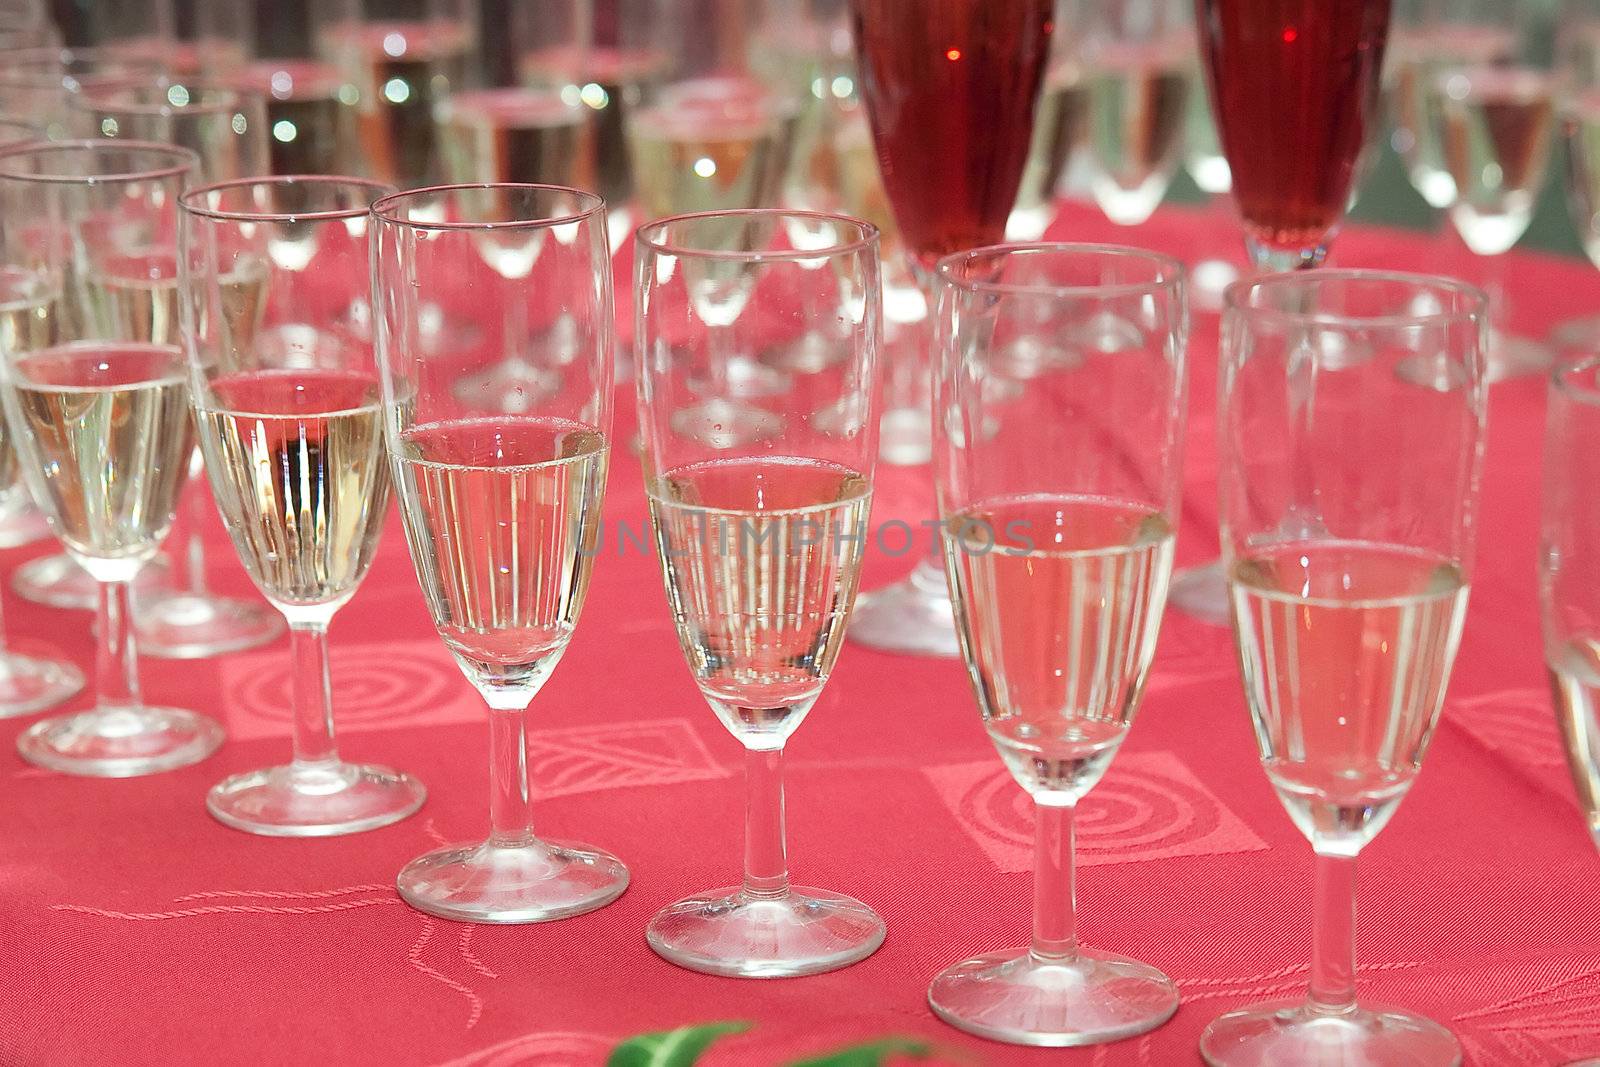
<point x="760" y="542"/>
<point x="1348" y="574"/>
<point x="1059" y="494"/>
<point x="100" y="419"/>
<point x="1569" y="573"/>
<point x="287" y="409"/>
<point x="501" y="511"/>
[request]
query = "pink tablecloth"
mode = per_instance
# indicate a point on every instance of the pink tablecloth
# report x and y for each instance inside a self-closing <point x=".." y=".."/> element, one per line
<point x="135" y="930"/>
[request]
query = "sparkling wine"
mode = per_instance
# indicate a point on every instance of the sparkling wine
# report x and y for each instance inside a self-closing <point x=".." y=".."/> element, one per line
<point x="1575" y="683"/>
<point x="610" y="83"/>
<point x="1417" y="58"/>
<point x="710" y="144"/>
<point x="950" y="91"/>
<point x="1138" y="104"/>
<point x="296" y="464"/>
<point x="503" y="518"/>
<point x="311" y="117"/>
<point x="1346" y="648"/>
<point x="514" y="135"/>
<point x="111" y="428"/>
<point x="1497" y="127"/>
<point x="761" y="559"/>
<point x="401" y="71"/>
<point x="1058" y="604"/>
<point x="1060" y="129"/>
<point x="27" y="324"/>
<point x="1294" y="86"/>
<point x="1582" y="124"/>
<point x="134" y="297"/>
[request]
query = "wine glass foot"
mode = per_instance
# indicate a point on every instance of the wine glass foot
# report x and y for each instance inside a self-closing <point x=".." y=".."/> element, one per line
<point x="514" y="386"/>
<point x="194" y="626"/>
<point x="1210" y="279"/>
<point x="58" y="582"/>
<point x="721" y="423"/>
<point x="22" y="526"/>
<point x="1027" y="1000"/>
<point x="1201" y="593"/>
<point x="120" y="742"/>
<point x="1268" y="1035"/>
<point x="912" y="615"/>
<point x="28" y="684"/>
<point x="314" y="800"/>
<point x="810" y="353"/>
<point x="529" y="883"/>
<point x="739" y="935"/>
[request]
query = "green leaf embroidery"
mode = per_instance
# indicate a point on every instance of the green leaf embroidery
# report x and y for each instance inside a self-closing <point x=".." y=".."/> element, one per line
<point x="671" y="1048"/>
<point x="871" y="1054"/>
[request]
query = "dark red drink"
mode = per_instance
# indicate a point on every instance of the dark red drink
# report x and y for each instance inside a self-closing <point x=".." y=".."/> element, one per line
<point x="1294" y="87"/>
<point x="950" y="87"/>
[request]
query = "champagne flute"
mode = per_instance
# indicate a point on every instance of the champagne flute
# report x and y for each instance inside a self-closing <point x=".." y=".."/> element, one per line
<point x="1059" y="496"/>
<point x="760" y="544"/>
<point x="501" y="512"/>
<point x="1294" y="89"/>
<point x="1569" y="558"/>
<point x="288" y="416"/>
<point x="226" y="127"/>
<point x="1348" y="574"/>
<point x="1061" y="129"/>
<point x="1578" y="58"/>
<point x="951" y="98"/>
<point x="101" y="423"/>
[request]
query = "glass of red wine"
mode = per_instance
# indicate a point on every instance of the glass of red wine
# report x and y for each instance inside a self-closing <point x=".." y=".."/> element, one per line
<point x="950" y="96"/>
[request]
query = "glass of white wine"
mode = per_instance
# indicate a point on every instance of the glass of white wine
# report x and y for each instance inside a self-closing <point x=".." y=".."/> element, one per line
<point x="1569" y="573"/>
<point x="287" y="410"/>
<point x="1350" y="441"/>
<point x="1059" y="492"/>
<point x="501" y="509"/>
<point x="760" y="541"/>
<point x="100" y="419"/>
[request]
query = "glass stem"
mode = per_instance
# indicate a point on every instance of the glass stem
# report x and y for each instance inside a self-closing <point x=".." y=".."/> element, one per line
<point x="116" y="657"/>
<point x="3" y="648"/>
<point x="1333" y="936"/>
<point x="510" y="808"/>
<point x="766" y="861"/>
<point x="194" y="548"/>
<point x="1055" y="884"/>
<point x="313" y="695"/>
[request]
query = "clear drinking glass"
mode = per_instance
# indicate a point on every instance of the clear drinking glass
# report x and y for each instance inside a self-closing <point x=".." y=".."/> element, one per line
<point x="501" y="509"/>
<point x="1578" y="75"/>
<point x="1059" y="494"/>
<point x="1569" y="566"/>
<point x="288" y="413"/>
<point x="1491" y="97"/>
<point x="1348" y="572"/>
<point x="100" y="414"/>
<point x="225" y="125"/>
<point x="760" y="542"/>
<point x="1061" y="129"/>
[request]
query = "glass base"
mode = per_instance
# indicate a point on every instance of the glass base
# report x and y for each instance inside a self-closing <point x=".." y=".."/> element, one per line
<point x="1022" y="999"/>
<point x="912" y="615"/>
<point x="194" y="626"/>
<point x="531" y="883"/>
<point x="120" y="742"/>
<point x="28" y="685"/>
<point x="1270" y="1035"/>
<point x="58" y="582"/>
<point x="721" y="423"/>
<point x="727" y="932"/>
<point x="316" y="800"/>
<point x="1201" y="593"/>
<point x="22" y="526"/>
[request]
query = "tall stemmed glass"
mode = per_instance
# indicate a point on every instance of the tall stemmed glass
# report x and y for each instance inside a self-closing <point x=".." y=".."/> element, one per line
<point x="1569" y="572"/>
<point x="287" y="410"/>
<point x="1294" y="88"/>
<point x="760" y="544"/>
<point x="1348" y="574"/>
<point x="951" y="97"/>
<point x="1059" y="494"/>
<point x="101" y="420"/>
<point x="1578" y="58"/>
<point x="1061" y="129"/>
<point x="501" y="511"/>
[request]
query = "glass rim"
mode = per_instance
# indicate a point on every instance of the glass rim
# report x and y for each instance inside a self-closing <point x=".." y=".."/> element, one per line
<point x="1234" y="297"/>
<point x="1561" y="380"/>
<point x="107" y="98"/>
<point x="1174" y="274"/>
<point x="385" y="207"/>
<point x="190" y="200"/>
<point x="183" y="161"/>
<point x="869" y="236"/>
